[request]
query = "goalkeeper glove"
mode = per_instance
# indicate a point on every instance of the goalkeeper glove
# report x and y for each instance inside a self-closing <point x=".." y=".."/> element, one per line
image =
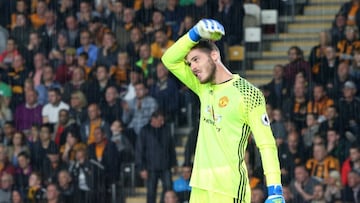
<point x="275" y="194"/>
<point x="207" y="29"/>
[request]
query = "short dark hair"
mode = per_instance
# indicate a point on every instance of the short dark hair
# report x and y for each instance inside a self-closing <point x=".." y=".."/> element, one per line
<point x="11" y="123"/>
<point x="49" y="126"/>
<point x="157" y="113"/>
<point x="84" y="54"/>
<point x="299" y="51"/>
<point x="56" y="90"/>
<point x="24" y="154"/>
<point x="206" y="46"/>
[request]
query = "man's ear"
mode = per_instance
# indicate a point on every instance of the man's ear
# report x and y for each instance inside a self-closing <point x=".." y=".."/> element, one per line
<point x="215" y="56"/>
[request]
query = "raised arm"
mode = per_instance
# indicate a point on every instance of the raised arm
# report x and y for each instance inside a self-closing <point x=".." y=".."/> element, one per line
<point x="174" y="57"/>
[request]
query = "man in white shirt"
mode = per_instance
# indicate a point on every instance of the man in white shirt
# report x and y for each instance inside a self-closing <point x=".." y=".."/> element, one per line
<point x="50" y="112"/>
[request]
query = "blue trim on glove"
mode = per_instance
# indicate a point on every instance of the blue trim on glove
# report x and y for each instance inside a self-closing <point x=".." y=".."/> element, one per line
<point x="275" y="190"/>
<point x="194" y="34"/>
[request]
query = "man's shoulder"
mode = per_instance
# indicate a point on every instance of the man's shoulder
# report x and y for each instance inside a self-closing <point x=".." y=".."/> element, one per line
<point x="64" y="105"/>
<point x="244" y="86"/>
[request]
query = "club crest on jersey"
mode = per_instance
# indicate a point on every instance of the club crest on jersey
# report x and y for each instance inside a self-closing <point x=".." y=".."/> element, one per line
<point x="265" y="119"/>
<point x="223" y="101"/>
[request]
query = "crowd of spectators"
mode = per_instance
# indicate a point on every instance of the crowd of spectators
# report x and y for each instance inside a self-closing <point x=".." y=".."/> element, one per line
<point x="314" y="107"/>
<point x="83" y="92"/>
<point x="82" y="88"/>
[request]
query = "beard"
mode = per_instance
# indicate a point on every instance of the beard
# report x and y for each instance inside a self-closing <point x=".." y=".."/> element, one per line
<point x="211" y="68"/>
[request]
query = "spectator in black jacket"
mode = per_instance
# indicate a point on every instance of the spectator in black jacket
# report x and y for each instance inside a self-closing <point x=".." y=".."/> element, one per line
<point x="277" y="87"/>
<point x="111" y="109"/>
<point x="349" y="111"/>
<point x="155" y="155"/>
<point x="104" y="152"/>
<point x="96" y="91"/>
<point x="66" y="186"/>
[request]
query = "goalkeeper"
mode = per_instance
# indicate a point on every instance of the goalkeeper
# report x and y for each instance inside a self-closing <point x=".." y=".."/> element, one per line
<point x="231" y="108"/>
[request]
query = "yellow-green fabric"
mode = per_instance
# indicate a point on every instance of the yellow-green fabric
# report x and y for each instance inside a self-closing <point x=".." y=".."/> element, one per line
<point x="229" y="112"/>
<point x="201" y="196"/>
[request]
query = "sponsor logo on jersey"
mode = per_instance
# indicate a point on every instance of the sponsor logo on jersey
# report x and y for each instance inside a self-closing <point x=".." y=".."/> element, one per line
<point x="265" y="119"/>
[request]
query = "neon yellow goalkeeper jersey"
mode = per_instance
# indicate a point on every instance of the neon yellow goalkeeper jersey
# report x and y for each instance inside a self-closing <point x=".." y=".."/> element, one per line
<point x="229" y="112"/>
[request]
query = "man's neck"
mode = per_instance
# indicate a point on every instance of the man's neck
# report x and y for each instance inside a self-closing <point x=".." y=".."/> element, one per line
<point x="78" y="82"/>
<point x="48" y="83"/>
<point x="223" y="75"/>
<point x="98" y="119"/>
<point x="111" y="103"/>
<point x="103" y="83"/>
<point x="277" y="80"/>
<point x="349" y="99"/>
<point x="56" y="103"/>
<point x="45" y="143"/>
<point x="31" y="106"/>
<point x="53" y="201"/>
<point x="86" y="47"/>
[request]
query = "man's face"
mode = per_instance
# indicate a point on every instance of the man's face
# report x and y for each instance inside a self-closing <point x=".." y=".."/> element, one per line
<point x="34" y="39"/>
<point x="108" y="40"/>
<point x="157" y="17"/>
<point x="30" y="97"/>
<point x="118" y="7"/>
<point x="101" y="74"/>
<point x="49" y="18"/>
<point x="354" y="154"/>
<point x="53" y="97"/>
<point x="353" y="179"/>
<point x="93" y="112"/>
<point x="99" y="137"/>
<point x="84" y="38"/>
<point x="110" y="94"/>
<point x="77" y="75"/>
<point x="319" y="152"/>
<point x="318" y="93"/>
<point x="186" y="172"/>
<point x="45" y="134"/>
<point x="158" y="121"/>
<point x="84" y="7"/>
<point x="140" y="91"/>
<point x="41" y="7"/>
<point x="39" y="61"/>
<point x="135" y="35"/>
<point x="161" y="71"/>
<point x="63" y="117"/>
<point x="144" y="52"/>
<point x="160" y="38"/>
<point x="330" y="113"/>
<point x="300" y="174"/>
<point x="63" y="179"/>
<point x="33" y="180"/>
<point x="292" y="55"/>
<point x="330" y="53"/>
<point x="71" y="23"/>
<point x="278" y="72"/>
<point x="69" y="59"/>
<point x="5" y="182"/>
<point x="47" y="74"/>
<point x="18" y="61"/>
<point x="23" y="162"/>
<point x="202" y="65"/>
<point x="10" y="45"/>
<point x="292" y="141"/>
<point x="51" y="192"/>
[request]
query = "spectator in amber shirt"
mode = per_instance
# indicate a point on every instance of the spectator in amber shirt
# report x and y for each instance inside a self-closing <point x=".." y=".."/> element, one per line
<point x="321" y="163"/>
